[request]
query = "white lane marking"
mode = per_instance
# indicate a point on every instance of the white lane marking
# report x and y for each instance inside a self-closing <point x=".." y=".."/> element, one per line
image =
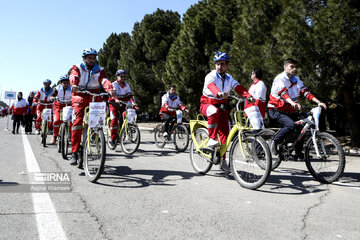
<point x="48" y="223"/>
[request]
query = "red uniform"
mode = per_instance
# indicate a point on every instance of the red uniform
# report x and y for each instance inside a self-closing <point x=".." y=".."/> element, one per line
<point x="64" y="95"/>
<point x="258" y="91"/>
<point x="90" y="80"/>
<point x="19" y="107"/>
<point x="42" y="96"/>
<point x="123" y="93"/>
<point x="218" y="120"/>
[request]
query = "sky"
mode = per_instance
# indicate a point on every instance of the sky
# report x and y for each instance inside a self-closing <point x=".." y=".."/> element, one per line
<point x="42" y="39"/>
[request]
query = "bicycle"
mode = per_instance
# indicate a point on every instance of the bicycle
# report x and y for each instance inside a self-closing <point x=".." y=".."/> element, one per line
<point x="128" y="133"/>
<point x="249" y="157"/>
<point x="64" y="138"/>
<point x="323" y="155"/>
<point x="45" y="120"/>
<point x="92" y="149"/>
<point x="179" y="133"/>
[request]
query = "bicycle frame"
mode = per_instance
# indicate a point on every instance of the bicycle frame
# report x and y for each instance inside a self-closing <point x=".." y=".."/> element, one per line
<point x="242" y="123"/>
<point x="311" y="122"/>
<point x="86" y="120"/>
<point x="124" y="122"/>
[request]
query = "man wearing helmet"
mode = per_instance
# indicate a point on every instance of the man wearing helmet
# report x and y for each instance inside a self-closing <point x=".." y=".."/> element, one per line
<point x="123" y="93"/>
<point x="86" y="76"/>
<point x="214" y="102"/>
<point x="42" y="96"/>
<point x="63" y="93"/>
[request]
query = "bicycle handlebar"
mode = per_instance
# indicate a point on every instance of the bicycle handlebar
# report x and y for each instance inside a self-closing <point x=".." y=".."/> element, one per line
<point x="62" y="100"/>
<point x="45" y="104"/>
<point x="94" y="94"/>
<point x="240" y="100"/>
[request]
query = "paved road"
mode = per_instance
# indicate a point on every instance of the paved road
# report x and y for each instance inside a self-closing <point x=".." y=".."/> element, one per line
<point x="155" y="194"/>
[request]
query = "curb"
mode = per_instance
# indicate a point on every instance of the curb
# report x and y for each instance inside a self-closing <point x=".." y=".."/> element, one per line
<point x="146" y="129"/>
<point x="352" y="152"/>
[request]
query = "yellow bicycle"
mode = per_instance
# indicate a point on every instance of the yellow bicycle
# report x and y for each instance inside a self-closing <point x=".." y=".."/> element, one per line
<point x="249" y="157"/>
<point x="128" y="134"/>
<point x="92" y="151"/>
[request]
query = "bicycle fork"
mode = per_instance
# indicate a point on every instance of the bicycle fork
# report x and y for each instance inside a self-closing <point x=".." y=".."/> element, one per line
<point x="313" y="136"/>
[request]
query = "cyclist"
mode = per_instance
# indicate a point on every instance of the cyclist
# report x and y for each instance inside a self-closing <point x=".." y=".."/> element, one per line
<point x="283" y="103"/>
<point x="214" y="102"/>
<point x="18" y="109"/>
<point x="170" y="101"/>
<point x="42" y="96"/>
<point x="86" y="76"/>
<point x="63" y="92"/>
<point x="123" y="93"/>
<point x="258" y="91"/>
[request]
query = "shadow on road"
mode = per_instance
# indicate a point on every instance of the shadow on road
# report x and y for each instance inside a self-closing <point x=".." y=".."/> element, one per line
<point x="291" y="181"/>
<point x="118" y="154"/>
<point x="125" y="177"/>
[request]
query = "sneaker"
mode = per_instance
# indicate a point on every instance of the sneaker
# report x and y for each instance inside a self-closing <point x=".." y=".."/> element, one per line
<point x="74" y="159"/>
<point x="274" y="148"/>
<point x="299" y="156"/>
<point x="165" y="134"/>
<point x="213" y="143"/>
<point x="37" y="132"/>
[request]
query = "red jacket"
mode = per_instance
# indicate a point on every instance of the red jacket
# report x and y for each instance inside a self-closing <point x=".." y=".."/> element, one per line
<point x="19" y="107"/>
<point x="90" y="80"/>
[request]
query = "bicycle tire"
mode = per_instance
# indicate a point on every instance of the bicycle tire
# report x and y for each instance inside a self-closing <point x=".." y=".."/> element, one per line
<point x="246" y="169"/>
<point x="94" y="157"/>
<point x="181" y="138"/>
<point x="64" y="140"/>
<point x="160" y="141"/>
<point x="200" y="163"/>
<point x="267" y="135"/>
<point x="130" y="139"/>
<point x="44" y="133"/>
<point x="330" y="168"/>
<point x="58" y="143"/>
<point x="81" y="157"/>
<point x="108" y="137"/>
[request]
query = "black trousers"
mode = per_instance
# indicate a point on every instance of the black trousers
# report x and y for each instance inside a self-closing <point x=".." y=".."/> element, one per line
<point x="17" y="120"/>
<point x="28" y="123"/>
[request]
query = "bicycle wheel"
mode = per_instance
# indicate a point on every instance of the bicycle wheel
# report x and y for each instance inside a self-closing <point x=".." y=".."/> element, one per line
<point x="181" y="138"/>
<point x="331" y="164"/>
<point x="199" y="162"/>
<point x="130" y="139"/>
<point x="59" y="148"/>
<point x="65" y="140"/>
<point x="94" y="155"/>
<point x="81" y="157"/>
<point x="158" y="135"/>
<point x="44" y="128"/>
<point x="245" y="157"/>
<point x="108" y="138"/>
<point x="267" y="135"/>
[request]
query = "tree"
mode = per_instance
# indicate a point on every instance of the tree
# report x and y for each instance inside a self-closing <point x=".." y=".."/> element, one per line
<point x="206" y="28"/>
<point x="145" y="60"/>
<point x="111" y="53"/>
<point x="337" y="39"/>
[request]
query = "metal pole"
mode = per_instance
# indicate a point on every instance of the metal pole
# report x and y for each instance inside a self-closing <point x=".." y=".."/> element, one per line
<point x="7" y="126"/>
